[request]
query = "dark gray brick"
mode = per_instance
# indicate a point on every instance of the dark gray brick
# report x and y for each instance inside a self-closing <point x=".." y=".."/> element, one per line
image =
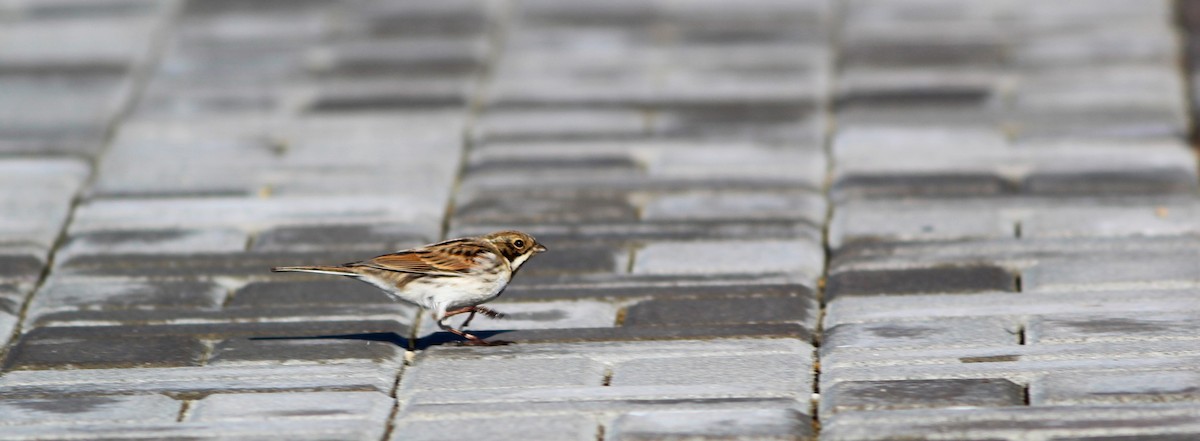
<point x="89" y="409"/>
<point x="921" y="394"/>
<point x="20" y="267"/>
<point x="733" y="310"/>
<point x="359" y="95"/>
<point x="82" y="350"/>
<point x="576" y="260"/>
<point x="418" y="56"/>
<point x="381" y="330"/>
<point x="943" y="279"/>
<point x="65" y="294"/>
<point x="658" y="288"/>
<point x="635" y="333"/>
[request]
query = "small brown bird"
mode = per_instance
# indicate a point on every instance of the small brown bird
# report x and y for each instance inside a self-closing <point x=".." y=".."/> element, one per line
<point x="446" y="278"/>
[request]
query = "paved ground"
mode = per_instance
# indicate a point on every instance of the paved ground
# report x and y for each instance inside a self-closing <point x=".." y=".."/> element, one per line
<point x="844" y="220"/>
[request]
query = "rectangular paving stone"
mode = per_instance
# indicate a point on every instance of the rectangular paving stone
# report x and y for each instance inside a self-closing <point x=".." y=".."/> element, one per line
<point x="217" y="240"/>
<point x="578" y="260"/>
<point x="1075" y="389"/>
<point x="921" y="394"/>
<point x="490" y="209"/>
<point x="37" y="198"/>
<point x="778" y="372"/>
<point x="85" y="352"/>
<point x="66" y="294"/>
<point x="919" y="307"/>
<point x="1113" y="271"/>
<point x="684" y="312"/>
<point x="256" y="264"/>
<point x="600" y="399"/>
<point x="251" y="214"/>
<point x="367" y="238"/>
<point x="562" y="427"/>
<point x="310" y="291"/>
<point x="369" y="407"/>
<point x="202" y="380"/>
<point x="799" y="258"/>
<point x="1181" y="325"/>
<point x="1058" y="422"/>
<point x="940" y="332"/>
<point x="297" y="429"/>
<point x="515" y="125"/>
<point x="88" y="409"/>
<point x="537" y="315"/>
<point x="755" y="205"/>
<point x="1017" y="363"/>
<point x="941" y="279"/>
<point x="432" y="373"/>
<point x="283" y="351"/>
<point x="757" y="424"/>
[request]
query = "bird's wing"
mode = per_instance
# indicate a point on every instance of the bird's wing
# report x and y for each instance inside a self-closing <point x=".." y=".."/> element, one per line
<point x="452" y="258"/>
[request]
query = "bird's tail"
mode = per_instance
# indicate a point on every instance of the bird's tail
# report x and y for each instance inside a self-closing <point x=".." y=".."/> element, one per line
<point x="334" y="270"/>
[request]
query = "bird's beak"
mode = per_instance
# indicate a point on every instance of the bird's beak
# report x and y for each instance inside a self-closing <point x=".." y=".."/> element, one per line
<point x="540" y="248"/>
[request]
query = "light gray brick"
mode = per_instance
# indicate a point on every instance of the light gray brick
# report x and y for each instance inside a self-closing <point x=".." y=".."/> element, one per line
<point x="297" y="429"/>
<point x="215" y="240"/>
<point x="749" y="424"/>
<point x="89" y="409"/>
<point x="432" y="373"/>
<point x="810" y="207"/>
<point x="1130" y="218"/>
<point x="538" y="401"/>
<point x="252" y="214"/>
<point x="112" y="41"/>
<point x="369" y="407"/>
<point x="65" y="294"/>
<point x="800" y="259"/>
<point x="509" y="428"/>
<point x="1085" y="328"/>
<point x="920" y="307"/>
<point x="539" y="315"/>
<point x="781" y="372"/>
<point x="36" y="198"/>
<point x="560" y="124"/>
<point x="1076" y="389"/>
<point x="1134" y="41"/>
<point x="857" y="396"/>
<point x="867" y="221"/>
<point x="351" y="376"/>
<point x="1066" y="422"/>
<point x="1018" y="363"/>
<point x="1113" y="272"/>
<point x="942" y="332"/>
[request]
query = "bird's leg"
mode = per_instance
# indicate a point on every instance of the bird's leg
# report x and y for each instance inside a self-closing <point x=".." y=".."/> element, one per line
<point x="471" y="339"/>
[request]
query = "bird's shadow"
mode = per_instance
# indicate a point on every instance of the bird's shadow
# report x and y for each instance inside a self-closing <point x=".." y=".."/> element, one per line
<point x="435" y="339"/>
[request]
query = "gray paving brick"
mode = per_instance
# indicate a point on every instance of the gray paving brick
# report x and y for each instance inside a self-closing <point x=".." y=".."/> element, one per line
<point x="283" y="351"/>
<point x="1112" y="327"/>
<point x="87" y="409"/>
<point x="251" y="214"/>
<point x="579" y="260"/>
<point x="1074" y="422"/>
<point x="202" y="380"/>
<point x="941" y="279"/>
<point x="921" y="394"/>
<point x="683" y="312"/>
<point x="919" y="307"/>
<point x="804" y="206"/>
<point x="1069" y="388"/>
<point x="105" y="41"/>
<point x="540" y="315"/>
<point x="433" y="373"/>
<point x="514" y="125"/>
<point x="509" y="428"/>
<point x="764" y="424"/>
<point x="371" y="407"/>
<point x="778" y="372"/>
<point x="446" y="55"/>
<point x="1017" y="363"/>
<point x="318" y="291"/>
<point x="942" y="332"/>
<point x="65" y="294"/>
<point x="598" y="399"/>
<point x="37" y="198"/>
<point x="799" y="258"/>
<point x="1107" y="272"/>
<point x="487" y="209"/>
<point x="368" y="238"/>
<point x="312" y="429"/>
<point x="388" y="93"/>
<point x="83" y="352"/>
<point x="217" y="240"/>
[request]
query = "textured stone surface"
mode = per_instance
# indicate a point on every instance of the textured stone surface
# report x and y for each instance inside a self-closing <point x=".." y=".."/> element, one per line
<point x="765" y="424"/>
<point x="921" y="394"/>
<point x="563" y="427"/>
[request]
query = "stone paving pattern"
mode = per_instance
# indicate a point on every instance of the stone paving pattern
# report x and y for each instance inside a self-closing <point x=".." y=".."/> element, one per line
<point x="773" y="220"/>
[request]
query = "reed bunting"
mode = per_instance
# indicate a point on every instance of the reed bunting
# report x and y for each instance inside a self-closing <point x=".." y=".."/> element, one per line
<point x="446" y="278"/>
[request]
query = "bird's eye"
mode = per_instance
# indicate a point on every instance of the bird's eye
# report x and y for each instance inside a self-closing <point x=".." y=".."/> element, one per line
<point x="519" y="243"/>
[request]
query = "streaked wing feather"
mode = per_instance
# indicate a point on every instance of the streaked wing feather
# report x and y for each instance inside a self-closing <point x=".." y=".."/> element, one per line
<point x="447" y="259"/>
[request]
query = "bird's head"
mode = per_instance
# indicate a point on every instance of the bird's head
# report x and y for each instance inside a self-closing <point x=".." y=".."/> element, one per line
<point x="515" y="246"/>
